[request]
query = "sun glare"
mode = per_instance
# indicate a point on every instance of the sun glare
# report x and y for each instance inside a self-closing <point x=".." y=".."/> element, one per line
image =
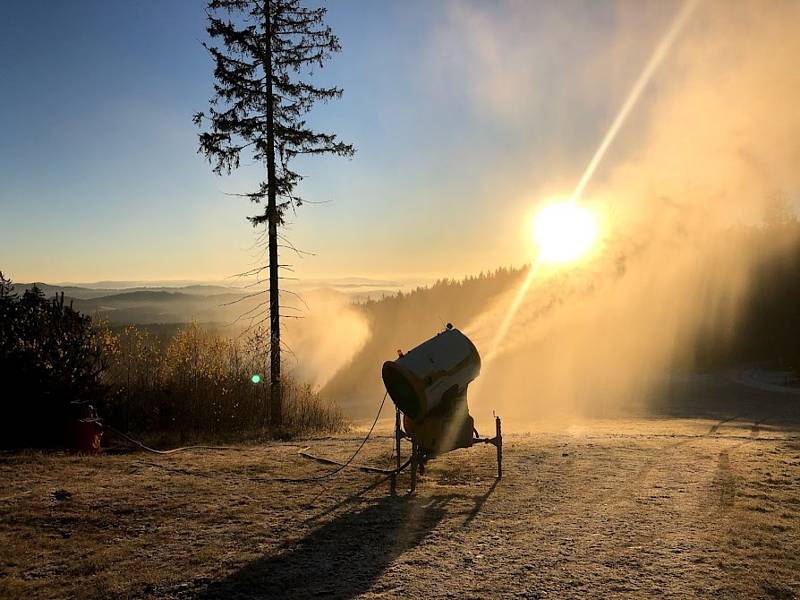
<point x="564" y="231"/>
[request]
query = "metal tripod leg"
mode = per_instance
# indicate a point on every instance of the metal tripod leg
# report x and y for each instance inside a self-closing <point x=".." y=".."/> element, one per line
<point x="414" y="462"/>
<point x="499" y="445"/>
<point x="398" y="436"/>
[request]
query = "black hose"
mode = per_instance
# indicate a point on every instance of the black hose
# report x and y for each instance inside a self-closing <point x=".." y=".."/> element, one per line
<point x="341" y="465"/>
<point x="284" y="479"/>
<point x="154" y="451"/>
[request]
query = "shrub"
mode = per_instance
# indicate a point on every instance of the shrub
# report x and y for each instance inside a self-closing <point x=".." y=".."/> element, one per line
<point x="194" y="385"/>
<point x="51" y="356"/>
<point x="198" y="385"/>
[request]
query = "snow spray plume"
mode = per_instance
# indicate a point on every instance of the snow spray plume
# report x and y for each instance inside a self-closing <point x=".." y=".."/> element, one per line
<point x="717" y="138"/>
<point x="326" y="338"/>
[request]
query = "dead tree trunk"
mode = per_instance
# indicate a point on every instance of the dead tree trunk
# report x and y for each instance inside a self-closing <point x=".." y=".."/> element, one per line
<point x="275" y="391"/>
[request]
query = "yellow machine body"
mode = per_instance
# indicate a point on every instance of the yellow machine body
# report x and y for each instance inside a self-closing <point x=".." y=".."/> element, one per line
<point x="437" y="434"/>
<point x="428" y="385"/>
<point x="422" y="381"/>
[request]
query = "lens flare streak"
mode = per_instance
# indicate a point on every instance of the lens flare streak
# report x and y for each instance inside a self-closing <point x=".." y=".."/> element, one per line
<point x="633" y="96"/>
<point x="641" y="82"/>
<point x="512" y="311"/>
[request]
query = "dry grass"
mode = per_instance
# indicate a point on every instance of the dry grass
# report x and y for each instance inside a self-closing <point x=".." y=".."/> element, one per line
<point x="616" y="509"/>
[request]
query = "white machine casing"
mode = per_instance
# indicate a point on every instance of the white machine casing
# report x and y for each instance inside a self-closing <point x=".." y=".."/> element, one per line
<point x="441" y="367"/>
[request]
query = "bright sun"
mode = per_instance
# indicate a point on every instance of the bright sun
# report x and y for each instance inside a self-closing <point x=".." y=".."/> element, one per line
<point x="564" y="231"/>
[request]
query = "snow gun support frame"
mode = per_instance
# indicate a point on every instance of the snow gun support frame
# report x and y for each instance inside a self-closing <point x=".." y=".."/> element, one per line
<point x="428" y="385"/>
<point x="421" y="455"/>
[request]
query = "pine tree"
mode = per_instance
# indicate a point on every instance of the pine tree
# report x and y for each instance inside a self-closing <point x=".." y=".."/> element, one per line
<point x="266" y="50"/>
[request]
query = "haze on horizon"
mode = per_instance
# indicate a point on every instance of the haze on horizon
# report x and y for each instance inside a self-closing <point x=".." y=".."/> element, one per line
<point x="466" y="117"/>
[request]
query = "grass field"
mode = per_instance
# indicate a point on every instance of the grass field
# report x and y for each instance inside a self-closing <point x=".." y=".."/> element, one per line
<point x="627" y="508"/>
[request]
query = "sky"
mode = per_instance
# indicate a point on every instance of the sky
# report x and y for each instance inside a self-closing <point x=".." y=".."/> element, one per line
<point x="465" y="116"/>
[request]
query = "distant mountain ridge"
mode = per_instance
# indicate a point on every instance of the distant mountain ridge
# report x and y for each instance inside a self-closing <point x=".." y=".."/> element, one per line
<point x="358" y="288"/>
<point x="74" y="291"/>
<point x="235" y="283"/>
<point x="204" y="303"/>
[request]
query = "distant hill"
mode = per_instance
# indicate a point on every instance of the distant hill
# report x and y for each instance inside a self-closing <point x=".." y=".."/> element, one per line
<point x="137" y="302"/>
<point x="237" y="284"/>
<point x="200" y="303"/>
<point x="97" y="292"/>
<point x="144" y="284"/>
<point x="221" y="306"/>
<point x="69" y="291"/>
<point x="149" y="306"/>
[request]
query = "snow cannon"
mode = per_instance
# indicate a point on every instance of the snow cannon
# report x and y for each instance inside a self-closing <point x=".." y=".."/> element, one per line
<point x="431" y="375"/>
<point x="428" y="385"/>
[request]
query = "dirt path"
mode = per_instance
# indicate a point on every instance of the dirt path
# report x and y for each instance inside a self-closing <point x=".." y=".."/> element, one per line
<point x="664" y="508"/>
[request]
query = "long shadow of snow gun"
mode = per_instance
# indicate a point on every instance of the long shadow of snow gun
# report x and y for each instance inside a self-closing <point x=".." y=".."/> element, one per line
<point x="428" y="386"/>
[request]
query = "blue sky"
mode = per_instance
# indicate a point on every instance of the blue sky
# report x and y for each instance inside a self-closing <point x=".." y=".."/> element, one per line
<point x="462" y="113"/>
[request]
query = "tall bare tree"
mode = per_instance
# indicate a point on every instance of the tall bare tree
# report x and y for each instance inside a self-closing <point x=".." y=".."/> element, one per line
<point x="264" y="52"/>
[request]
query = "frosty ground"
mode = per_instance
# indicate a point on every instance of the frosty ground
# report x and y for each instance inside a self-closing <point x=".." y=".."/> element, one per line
<point x="658" y="507"/>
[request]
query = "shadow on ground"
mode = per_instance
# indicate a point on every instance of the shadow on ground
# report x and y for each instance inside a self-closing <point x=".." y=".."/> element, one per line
<point x="340" y="559"/>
